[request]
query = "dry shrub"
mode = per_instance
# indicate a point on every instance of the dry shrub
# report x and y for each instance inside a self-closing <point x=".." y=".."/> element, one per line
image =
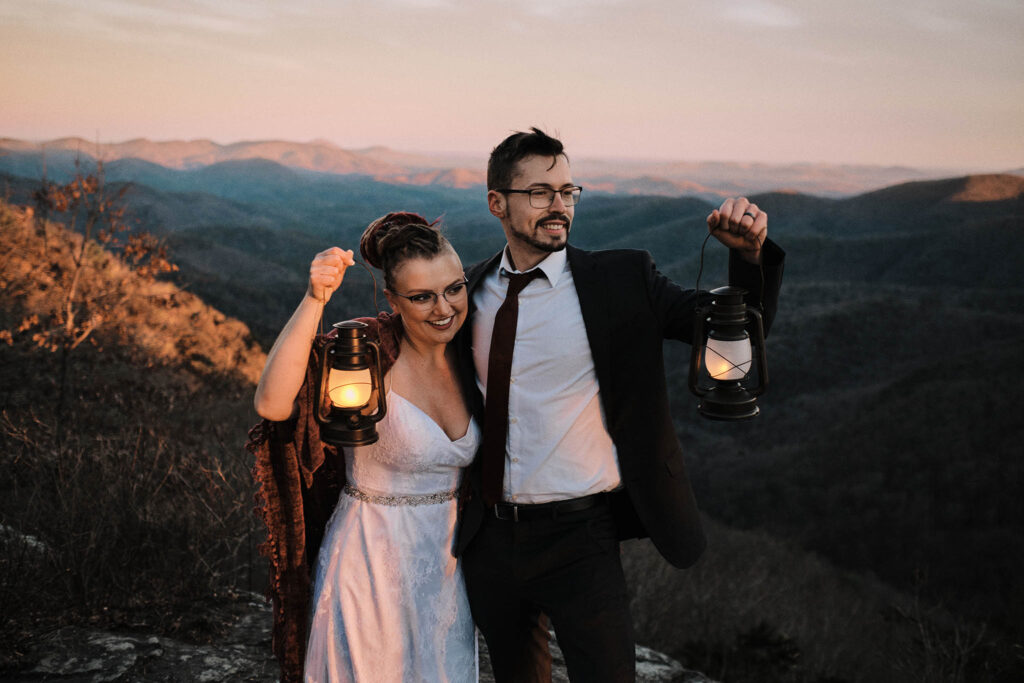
<point x="124" y="484"/>
<point x="135" y="504"/>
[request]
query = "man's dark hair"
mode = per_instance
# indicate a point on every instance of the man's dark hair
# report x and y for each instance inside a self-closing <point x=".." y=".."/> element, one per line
<point x="502" y="165"/>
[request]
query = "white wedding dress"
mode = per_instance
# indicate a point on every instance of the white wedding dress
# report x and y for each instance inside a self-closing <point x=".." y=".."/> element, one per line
<point x="389" y="602"/>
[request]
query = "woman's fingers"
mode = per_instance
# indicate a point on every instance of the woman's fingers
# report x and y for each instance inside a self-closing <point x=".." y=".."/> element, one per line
<point x="327" y="271"/>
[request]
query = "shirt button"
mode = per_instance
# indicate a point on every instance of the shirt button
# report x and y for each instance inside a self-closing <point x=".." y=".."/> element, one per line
<point x="513" y="497"/>
<point x="512" y="420"/>
<point x="511" y="380"/>
<point x="515" y="459"/>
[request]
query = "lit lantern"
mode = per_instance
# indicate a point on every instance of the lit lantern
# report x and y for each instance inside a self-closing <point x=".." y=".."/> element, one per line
<point x="728" y="343"/>
<point x="350" y="402"/>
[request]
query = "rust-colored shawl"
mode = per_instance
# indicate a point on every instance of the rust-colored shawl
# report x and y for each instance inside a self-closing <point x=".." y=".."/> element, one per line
<point x="298" y="479"/>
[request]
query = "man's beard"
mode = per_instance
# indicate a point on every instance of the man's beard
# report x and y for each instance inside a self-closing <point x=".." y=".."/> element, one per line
<point x="542" y="245"/>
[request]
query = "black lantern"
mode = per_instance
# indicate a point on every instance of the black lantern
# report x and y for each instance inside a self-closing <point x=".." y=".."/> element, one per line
<point x="728" y="341"/>
<point x="350" y="401"/>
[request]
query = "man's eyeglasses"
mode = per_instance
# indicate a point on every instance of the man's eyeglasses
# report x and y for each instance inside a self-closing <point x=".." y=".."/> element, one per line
<point x="453" y="294"/>
<point x="544" y="197"/>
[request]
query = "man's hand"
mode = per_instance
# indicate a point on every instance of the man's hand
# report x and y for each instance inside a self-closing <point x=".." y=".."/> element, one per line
<point x="740" y="225"/>
<point x="327" y="271"/>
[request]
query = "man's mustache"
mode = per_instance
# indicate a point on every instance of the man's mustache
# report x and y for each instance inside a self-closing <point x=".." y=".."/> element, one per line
<point x="555" y="217"/>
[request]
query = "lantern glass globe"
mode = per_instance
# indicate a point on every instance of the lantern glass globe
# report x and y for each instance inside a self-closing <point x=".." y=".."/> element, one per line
<point x="349" y="388"/>
<point x="727" y="360"/>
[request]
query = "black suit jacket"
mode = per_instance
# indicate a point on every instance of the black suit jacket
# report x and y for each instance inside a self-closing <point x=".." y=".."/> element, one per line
<point x="628" y="309"/>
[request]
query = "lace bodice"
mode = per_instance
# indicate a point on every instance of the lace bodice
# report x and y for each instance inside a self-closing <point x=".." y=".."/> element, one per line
<point x="413" y="455"/>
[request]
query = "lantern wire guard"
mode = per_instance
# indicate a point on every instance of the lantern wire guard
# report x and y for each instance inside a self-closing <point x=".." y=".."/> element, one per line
<point x="350" y="427"/>
<point x="728" y="399"/>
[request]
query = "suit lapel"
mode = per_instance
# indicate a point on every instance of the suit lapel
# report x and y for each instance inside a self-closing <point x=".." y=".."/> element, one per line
<point x="464" y="340"/>
<point x="592" y="290"/>
<point x="475" y="275"/>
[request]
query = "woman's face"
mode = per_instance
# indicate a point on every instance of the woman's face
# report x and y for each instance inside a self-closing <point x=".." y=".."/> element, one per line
<point x="438" y="303"/>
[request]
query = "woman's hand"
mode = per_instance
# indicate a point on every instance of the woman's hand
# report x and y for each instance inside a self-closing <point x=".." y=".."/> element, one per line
<point x="327" y="271"/>
<point x="286" y="363"/>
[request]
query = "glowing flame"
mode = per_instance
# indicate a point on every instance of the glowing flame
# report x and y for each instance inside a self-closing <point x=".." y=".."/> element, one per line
<point x="349" y="388"/>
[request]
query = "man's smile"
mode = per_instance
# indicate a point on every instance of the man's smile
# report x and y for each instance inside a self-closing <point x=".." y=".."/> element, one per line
<point x="554" y="224"/>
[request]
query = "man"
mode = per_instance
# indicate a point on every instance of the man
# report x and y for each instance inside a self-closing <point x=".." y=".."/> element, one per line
<point x="586" y="454"/>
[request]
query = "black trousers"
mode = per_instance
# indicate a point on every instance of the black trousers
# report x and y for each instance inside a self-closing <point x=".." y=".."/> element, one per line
<point x="569" y="568"/>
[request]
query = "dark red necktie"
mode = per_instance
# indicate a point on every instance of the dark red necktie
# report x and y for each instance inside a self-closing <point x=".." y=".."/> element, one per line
<point x="499" y="370"/>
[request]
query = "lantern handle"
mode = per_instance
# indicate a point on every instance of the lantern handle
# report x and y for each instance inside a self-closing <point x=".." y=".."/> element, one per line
<point x="756" y="326"/>
<point x="323" y="412"/>
<point x="382" y="403"/>
<point x="701" y="317"/>
<point x="700" y="271"/>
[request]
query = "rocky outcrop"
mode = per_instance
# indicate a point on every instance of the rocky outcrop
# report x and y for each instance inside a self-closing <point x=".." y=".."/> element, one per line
<point x="83" y="655"/>
<point x="651" y="667"/>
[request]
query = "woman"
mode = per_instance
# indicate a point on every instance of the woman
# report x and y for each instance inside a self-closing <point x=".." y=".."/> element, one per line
<point x="388" y="602"/>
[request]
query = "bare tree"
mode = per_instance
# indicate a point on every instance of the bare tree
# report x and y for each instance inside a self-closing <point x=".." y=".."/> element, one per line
<point x="94" y="217"/>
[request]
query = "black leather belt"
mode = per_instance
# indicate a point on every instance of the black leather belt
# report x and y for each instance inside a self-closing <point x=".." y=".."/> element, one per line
<point x="521" y="512"/>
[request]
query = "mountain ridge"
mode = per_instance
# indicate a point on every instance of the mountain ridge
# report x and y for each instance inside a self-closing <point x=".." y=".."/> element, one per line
<point x="712" y="178"/>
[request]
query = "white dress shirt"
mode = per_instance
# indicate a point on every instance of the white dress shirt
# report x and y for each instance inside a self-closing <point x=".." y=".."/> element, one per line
<point x="558" y="445"/>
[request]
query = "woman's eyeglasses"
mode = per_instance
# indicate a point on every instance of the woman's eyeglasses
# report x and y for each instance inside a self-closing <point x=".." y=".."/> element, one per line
<point x="453" y="294"/>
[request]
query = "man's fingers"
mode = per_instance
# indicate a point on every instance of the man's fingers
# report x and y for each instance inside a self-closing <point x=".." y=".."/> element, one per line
<point x="724" y="212"/>
<point x="739" y="207"/>
<point x="739" y="224"/>
<point x="758" y="231"/>
<point x="738" y="216"/>
<point x="749" y="215"/>
<point x="754" y="223"/>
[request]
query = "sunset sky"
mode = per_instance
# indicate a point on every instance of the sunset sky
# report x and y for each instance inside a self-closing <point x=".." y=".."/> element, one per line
<point x="929" y="83"/>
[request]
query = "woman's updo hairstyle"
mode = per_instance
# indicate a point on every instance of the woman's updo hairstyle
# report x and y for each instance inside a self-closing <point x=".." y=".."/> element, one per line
<point x="392" y="239"/>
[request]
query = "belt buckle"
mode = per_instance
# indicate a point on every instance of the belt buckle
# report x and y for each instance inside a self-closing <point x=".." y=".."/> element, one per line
<point x="515" y="512"/>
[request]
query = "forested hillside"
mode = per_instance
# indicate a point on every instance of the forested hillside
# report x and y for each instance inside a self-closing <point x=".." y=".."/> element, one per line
<point x="885" y="445"/>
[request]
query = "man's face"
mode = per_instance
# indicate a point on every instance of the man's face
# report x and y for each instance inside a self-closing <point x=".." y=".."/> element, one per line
<point x="531" y="232"/>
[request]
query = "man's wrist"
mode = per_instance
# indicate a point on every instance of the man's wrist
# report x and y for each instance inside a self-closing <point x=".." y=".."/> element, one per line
<point x="750" y="256"/>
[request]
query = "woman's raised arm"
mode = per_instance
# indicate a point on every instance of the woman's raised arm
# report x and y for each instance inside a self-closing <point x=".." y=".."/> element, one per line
<point x="286" y="363"/>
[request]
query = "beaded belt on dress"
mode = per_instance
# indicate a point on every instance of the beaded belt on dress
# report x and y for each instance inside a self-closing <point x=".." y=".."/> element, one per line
<point x="424" y="499"/>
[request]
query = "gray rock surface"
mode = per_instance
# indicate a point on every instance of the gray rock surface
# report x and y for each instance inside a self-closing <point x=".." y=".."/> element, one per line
<point x="651" y="667"/>
<point x="82" y="655"/>
<point x="89" y="655"/>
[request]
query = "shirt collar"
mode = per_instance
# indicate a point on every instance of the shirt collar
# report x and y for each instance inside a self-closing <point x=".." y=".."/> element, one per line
<point x="552" y="266"/>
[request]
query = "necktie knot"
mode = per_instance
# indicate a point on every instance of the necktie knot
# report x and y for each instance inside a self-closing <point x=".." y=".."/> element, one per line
<point x="517" y="281"/>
